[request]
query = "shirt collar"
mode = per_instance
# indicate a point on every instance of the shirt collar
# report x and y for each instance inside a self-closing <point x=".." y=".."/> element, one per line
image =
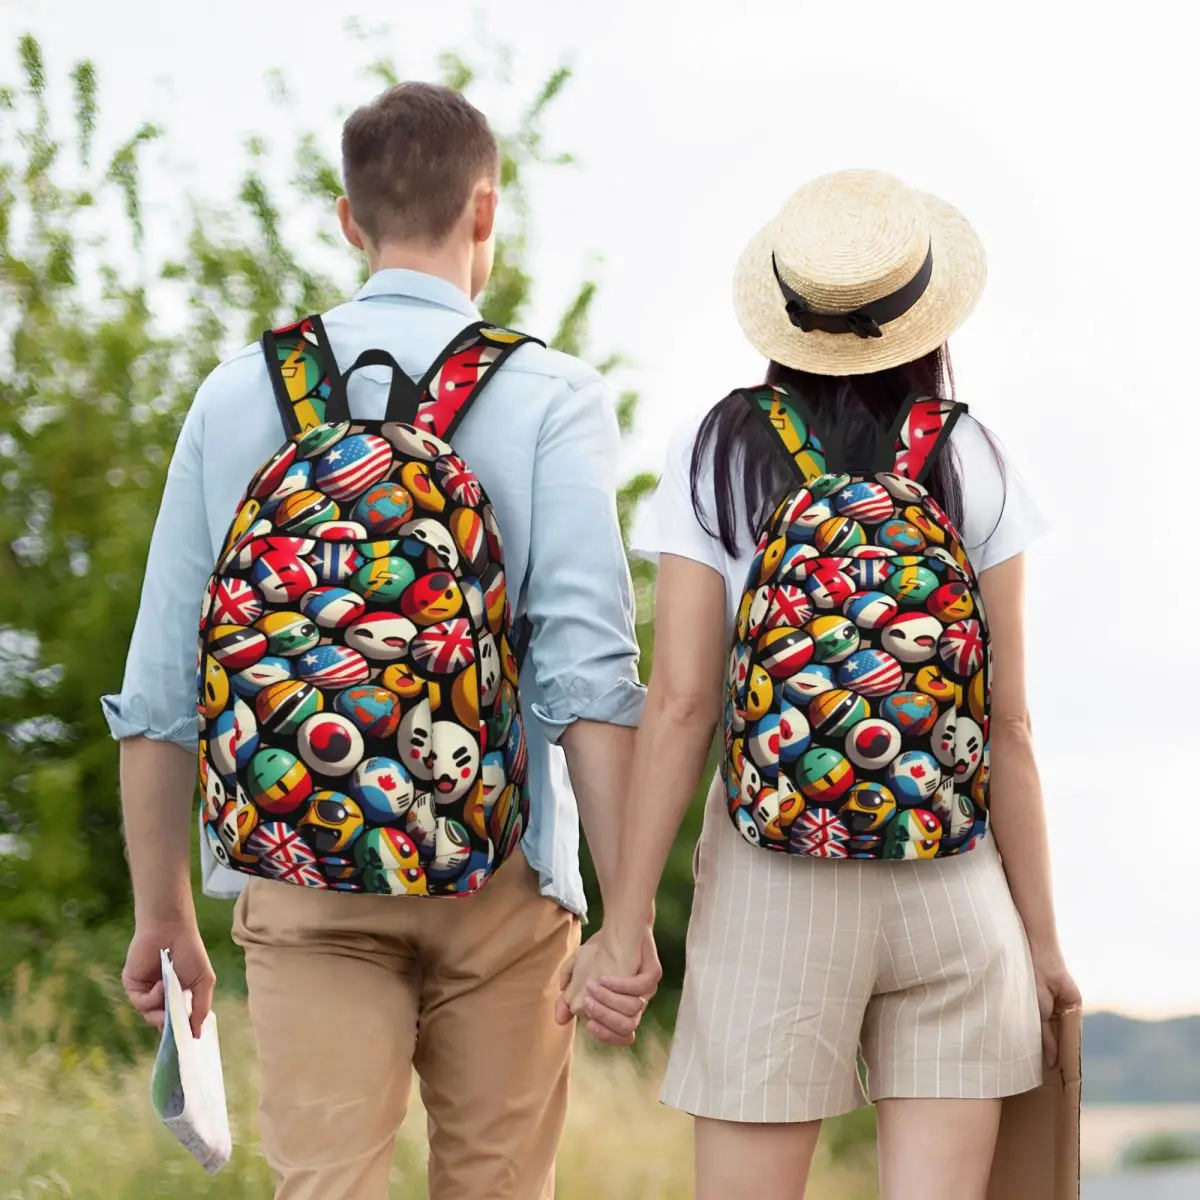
<point x="416" y="285"/>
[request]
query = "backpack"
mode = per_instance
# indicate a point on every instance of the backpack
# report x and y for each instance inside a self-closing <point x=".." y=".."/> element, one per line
<point x="360" y="723"/>
<point x="856" y="716"/>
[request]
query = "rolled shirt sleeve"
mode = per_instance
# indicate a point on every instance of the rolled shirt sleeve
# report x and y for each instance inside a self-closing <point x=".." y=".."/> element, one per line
<point x="158" y="694"/>
<point x="579" y="595"/>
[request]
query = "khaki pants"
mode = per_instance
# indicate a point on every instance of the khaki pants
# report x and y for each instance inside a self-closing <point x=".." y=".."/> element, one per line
<point x="348" y="993"/>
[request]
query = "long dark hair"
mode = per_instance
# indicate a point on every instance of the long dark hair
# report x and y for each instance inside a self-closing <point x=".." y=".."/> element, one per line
<point x="859" y="409"/>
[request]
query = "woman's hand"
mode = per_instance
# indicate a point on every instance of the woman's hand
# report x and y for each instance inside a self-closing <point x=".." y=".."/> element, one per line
<point x="610" y="985"/>
<point x="1056" y="992"/>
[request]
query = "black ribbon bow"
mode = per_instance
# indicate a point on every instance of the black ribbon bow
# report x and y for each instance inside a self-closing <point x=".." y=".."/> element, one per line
<point x="864" y="322"/>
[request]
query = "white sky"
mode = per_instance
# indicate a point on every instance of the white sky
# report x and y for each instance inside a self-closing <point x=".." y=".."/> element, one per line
<point x="1068" y="139"/>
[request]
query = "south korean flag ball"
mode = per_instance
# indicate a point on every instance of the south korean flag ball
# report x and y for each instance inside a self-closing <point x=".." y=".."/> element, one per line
<point x="872" y="744"/>
<point x="330" y="744"/>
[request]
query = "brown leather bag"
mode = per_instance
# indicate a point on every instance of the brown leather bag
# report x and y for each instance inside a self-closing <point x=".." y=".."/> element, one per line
<point x="1037" y="1152"/>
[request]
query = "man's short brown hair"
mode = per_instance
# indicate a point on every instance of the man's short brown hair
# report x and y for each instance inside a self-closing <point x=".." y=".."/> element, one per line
<point x="410" y="159"/>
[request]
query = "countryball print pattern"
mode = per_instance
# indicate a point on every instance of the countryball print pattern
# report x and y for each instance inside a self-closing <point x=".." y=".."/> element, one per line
<point x="856" y="718"/>
<point x="360" y="726"/>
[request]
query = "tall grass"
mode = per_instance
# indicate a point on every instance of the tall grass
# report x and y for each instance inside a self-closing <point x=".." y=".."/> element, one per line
<point x="75" y="1121"/>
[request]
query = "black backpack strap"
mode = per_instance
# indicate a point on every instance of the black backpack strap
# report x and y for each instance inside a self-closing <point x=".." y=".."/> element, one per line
<point x="304" y="375"/>
<point x="459" y="374"/>
<point x="922" y="428"/>
<point x="786" y="417"/>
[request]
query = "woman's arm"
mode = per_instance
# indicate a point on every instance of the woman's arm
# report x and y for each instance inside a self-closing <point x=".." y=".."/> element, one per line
<point x="683" y="704"/>
<point x="1017" y="812"/>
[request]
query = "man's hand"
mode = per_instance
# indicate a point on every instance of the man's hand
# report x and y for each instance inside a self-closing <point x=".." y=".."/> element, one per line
<point x="142" y="976"/>
<point x="609" y="987"/>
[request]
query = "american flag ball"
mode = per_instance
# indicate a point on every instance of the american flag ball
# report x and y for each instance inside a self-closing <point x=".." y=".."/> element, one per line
<point x="865" y="501"/>
<point x="458" y="481"/>
<point x="332" y="667"/>
<point x="871" y="673"/>
<point x="353" y="465"/>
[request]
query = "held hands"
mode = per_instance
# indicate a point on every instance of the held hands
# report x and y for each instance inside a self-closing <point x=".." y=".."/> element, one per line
<point x="1056" y="993"/>
<point x="142" y="976"/>
<point x="609" y="986"/>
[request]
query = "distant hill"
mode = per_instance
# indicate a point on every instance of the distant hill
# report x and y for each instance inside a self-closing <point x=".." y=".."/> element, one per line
<point x="1126" y="1061"/>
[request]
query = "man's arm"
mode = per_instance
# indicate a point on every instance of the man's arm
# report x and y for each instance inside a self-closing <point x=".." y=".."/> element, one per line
<point x="155" y="719"/>
<point x="579" y="598"/>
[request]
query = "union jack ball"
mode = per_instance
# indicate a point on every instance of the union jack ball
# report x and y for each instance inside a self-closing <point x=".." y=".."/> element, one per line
<point x="962" y="648"/>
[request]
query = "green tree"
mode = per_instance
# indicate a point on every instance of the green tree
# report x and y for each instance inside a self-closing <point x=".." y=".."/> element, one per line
<point x="93" y="385"/>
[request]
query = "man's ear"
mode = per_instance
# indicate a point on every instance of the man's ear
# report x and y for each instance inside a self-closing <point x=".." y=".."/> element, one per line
<point x="487" y="197"/>
<point x="350" y="229"/>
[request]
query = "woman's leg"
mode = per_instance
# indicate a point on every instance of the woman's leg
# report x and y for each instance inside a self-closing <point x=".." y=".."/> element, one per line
<point x="936" y="1149"/>
<point x="768" y="1162"/>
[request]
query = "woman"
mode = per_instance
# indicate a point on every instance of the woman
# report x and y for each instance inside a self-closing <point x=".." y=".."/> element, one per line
<point x="858" y="712"/>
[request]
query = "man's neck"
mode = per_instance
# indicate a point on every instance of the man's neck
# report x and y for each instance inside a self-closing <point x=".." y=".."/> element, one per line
<point x="451" y="263"/>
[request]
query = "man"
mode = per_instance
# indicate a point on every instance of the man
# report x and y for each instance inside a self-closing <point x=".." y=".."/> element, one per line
<point x="349" y="992"/>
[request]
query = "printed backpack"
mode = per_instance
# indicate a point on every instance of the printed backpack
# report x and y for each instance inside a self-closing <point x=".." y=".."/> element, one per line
<point x="358" y="661"/>
<point x="856" y="717"/>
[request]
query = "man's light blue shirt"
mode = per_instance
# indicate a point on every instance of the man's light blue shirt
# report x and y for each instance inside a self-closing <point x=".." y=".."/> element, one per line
<point x="544" y="442"/>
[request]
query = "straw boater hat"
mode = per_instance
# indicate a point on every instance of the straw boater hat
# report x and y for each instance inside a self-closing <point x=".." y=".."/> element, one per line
<point x="857" y="273"/>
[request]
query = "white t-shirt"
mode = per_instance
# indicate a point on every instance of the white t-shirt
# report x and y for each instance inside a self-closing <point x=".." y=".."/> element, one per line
<point x="1000" y="518"/>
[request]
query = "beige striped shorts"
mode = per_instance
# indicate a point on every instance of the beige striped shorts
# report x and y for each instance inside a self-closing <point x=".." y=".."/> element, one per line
<point x="796" y="966"/>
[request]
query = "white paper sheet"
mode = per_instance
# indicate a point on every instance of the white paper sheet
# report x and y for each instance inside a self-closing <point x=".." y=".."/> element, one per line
<point x="187" y="1088"/>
